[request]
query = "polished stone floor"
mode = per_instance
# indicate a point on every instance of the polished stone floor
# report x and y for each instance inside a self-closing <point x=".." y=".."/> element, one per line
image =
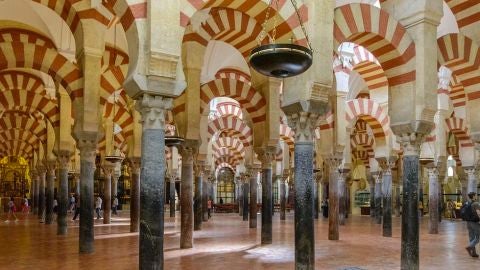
<point x="226" y="242"/>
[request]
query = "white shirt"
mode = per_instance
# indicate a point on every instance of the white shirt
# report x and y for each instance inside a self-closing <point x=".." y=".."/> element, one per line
<point x="98" y="203"/>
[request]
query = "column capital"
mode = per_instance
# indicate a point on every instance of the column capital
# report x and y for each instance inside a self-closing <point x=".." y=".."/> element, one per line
<point x="387" y="164"/>
<point x="411" y="143"/>
<point x="470" y="171"/>
<point x="333" y="160"/>
<point x="108" y="168"/>
<point x="87" y="144"/>
<point x="188" y="150"/>
<point x="153" y="110"/>
<point x="377" y="177"/>
<point x="253" y="169"/>
<point x="63" y="158"/>
<point x="50" y="166"/>
<point x="200" y="166"/>
<point x="266" y="155"/>
<point x="303" y="124"/>
<point x="432" y="171"/>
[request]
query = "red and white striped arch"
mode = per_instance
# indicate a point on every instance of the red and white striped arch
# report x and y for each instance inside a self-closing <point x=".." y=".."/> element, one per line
<point x="287" y="135"/>
<point x="232" y="73"/>
<point x="14" y="121"/>
<point x="467" y="12"/>
<point x="28" y="55"/>
<point x="114" y="70"/>
<point x="224" y="165"/>
<point x="30" y="102"/>
<point x="371" y="112"/>
<point x="20" y="135"/>
<point x="382" y="35"/>
<point x="455" y="153"/>
<point x="461" y="55"/>
<point x="20" y="80"/>
<point x="25" y="36"/>
<point x="228" y="108"/>
<point x="459" y="129"/>
<point x="230" y="143"/>
<point x="220" y="153"/>
<point x="231" y="123"/>
<point x="16" y="148"/>
<point x="362" y="155"/>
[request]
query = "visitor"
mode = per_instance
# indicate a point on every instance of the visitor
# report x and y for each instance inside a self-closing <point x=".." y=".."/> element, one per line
<point x="98" y="206"/>
<point x="451" y="209"/>
<point x="221" y="200"/>
<point x="55" y="205"/>
<point x="25" y="208"/>
<point x="209" y="207"/>
<point x="324" y="207"/>
<point x="473" y="224"/>
<point x="11" y="210"/>
<point x="115" y="205"/>
<point x="76" y="206"/>
<point x="71" y="205"/>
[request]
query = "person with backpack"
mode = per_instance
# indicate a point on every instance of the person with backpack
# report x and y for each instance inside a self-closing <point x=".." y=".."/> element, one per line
<point x="470" y="212"/>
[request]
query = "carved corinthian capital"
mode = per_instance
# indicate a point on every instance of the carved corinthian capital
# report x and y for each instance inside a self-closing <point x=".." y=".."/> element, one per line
<point x="153" y="110"/>
<point x="303" y="124"/>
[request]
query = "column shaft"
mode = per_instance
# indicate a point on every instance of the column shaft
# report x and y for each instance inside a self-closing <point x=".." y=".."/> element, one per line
<point x="304" y="189"/>
<point x="135" y="199"/>
<point x="197" y="221"/>
<point x="49" y="195"/>
<point x="205" y="200"/>
<point x="36" y="194"/>
<point x="41" y="196"/>
<point x="253" y="200"/>
<point x="387" y="203"/>
<point x="62" y="200"/>
<point x="283" y="199"/>
<point x="433" y="201"/>
<point x="342" y="206"/>
<point x="378" y="200"/>
<point x="186" y="202"/>
<point x="152" y="181"/>
<point x="107" y="196"/>
<point x="172" y="197"/>
<point x="266" y="205"/>
<point x="410" y="226"/>
<point x="245" y="201"/>
<point x="333" y="205"/>
<point x="371" y="182"/>
<point x="87" y="170"/>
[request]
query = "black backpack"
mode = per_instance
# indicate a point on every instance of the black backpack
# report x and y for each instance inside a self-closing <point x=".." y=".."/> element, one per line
<point x="467" y="213"/>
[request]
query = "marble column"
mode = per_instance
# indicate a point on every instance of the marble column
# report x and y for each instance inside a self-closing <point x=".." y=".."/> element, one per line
<point x="333" y="221"/>
<point x="371" y="183"/>
<point x="35" y="180"/>
<point x="471" y="179"/>
<point x="397" y="199"/>
<point x="318" y="184"/>
<point x="114" y="188"/>
<point x="76" y="177"/>
<point x="238" y="185"/>
<point x="152" y="180"/>
<point x="63" y="200"/>
<point x="341" y="193"/>
<point x="42" y="172"/>
<point x="107" y="192"/>
<point x="387" y="165"/>
<point x="135" y="194"/>
<point x="172" y="196"/>
<point x="246" y="189"/>
<point x="378" y="197"/>
<point x="253" y="173"/>
<point x="283" y="195"/>
<point x="433" y="200"/>
<point x="205" y="197"/>
<point x="197" y="205"/>
<point x="186" y="200"/>
<point x="410" y="220"/>
<point x="50" y="186"/>
<point x="87" y="147"/>
<point x="267" y="156"/>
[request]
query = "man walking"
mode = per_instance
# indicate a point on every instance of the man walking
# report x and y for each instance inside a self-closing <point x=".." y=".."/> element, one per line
<point x="98" y="206"/>
<point x="472" y="212"/>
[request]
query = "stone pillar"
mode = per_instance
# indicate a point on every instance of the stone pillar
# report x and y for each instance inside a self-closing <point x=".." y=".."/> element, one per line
<point x="114" y="182"/>
<point x="333" y="222"/>
<point x="186" y="194"/>
<point x="152" y="180"/>
<point x="253" y="173"/>
<point x="387" y="164"/>
<point x="433" y="200"/>
<point x="283" y="194"/>
<point x="36" y="182"/>
<point x="172" y="196"/>
<point x="87" y="147"/>
<point x="206" y="187"/>
<point x="49" y="191"/>
<point x="41" y="192"/>
<point x="246" y="188"/>
<point x="410" y="220"/>
<point x="378" y="197"/>
<point x="135" y="194"/>
<point x="341" y="193"/>
<point x="198" y="216"/>
<point x="371" y="183"/>
<point x="303" y="124"/>
<point x="266" y="156"/>
<point x="63" y="200"/>
<point x="238" y="186"/>
<point x="76" y="177"/>
<point x="107" y="192"/>
<point x="471" y="179"/>
<point x="318" y="184"/>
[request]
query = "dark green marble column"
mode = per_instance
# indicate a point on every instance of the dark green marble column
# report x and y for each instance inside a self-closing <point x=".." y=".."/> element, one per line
<point x="304" y="202"/>
<point x="253" y="197"/>
<point x="171" y="194"/>
<point x="64" y="161"/>
<point x="283" y="197"/>
<point x="135" y="195"/>
<point x="387" y="201"/>
<point x="378" y="197"/>
<point x="205" y="189"/>
<point x="267" y="200"/>
<point x="410" y="225"/>
<point x="49" y="192"/>
<point x="246" y="189"/>
<point x="433" y="200"/>
<point x="197" y="202"/>
<point x="41" y="192"/>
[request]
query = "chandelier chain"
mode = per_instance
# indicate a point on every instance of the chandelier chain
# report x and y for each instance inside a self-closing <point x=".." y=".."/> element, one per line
<point x="294" y="3"/>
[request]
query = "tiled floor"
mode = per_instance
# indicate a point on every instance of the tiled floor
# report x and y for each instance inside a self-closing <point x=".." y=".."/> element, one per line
<point x="226" y="242"/>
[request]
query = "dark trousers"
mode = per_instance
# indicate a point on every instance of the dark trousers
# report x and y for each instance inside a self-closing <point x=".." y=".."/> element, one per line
<point x="114" y="210"/>
<point x="77" y="211"/>
<point x="97" y="210"/>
